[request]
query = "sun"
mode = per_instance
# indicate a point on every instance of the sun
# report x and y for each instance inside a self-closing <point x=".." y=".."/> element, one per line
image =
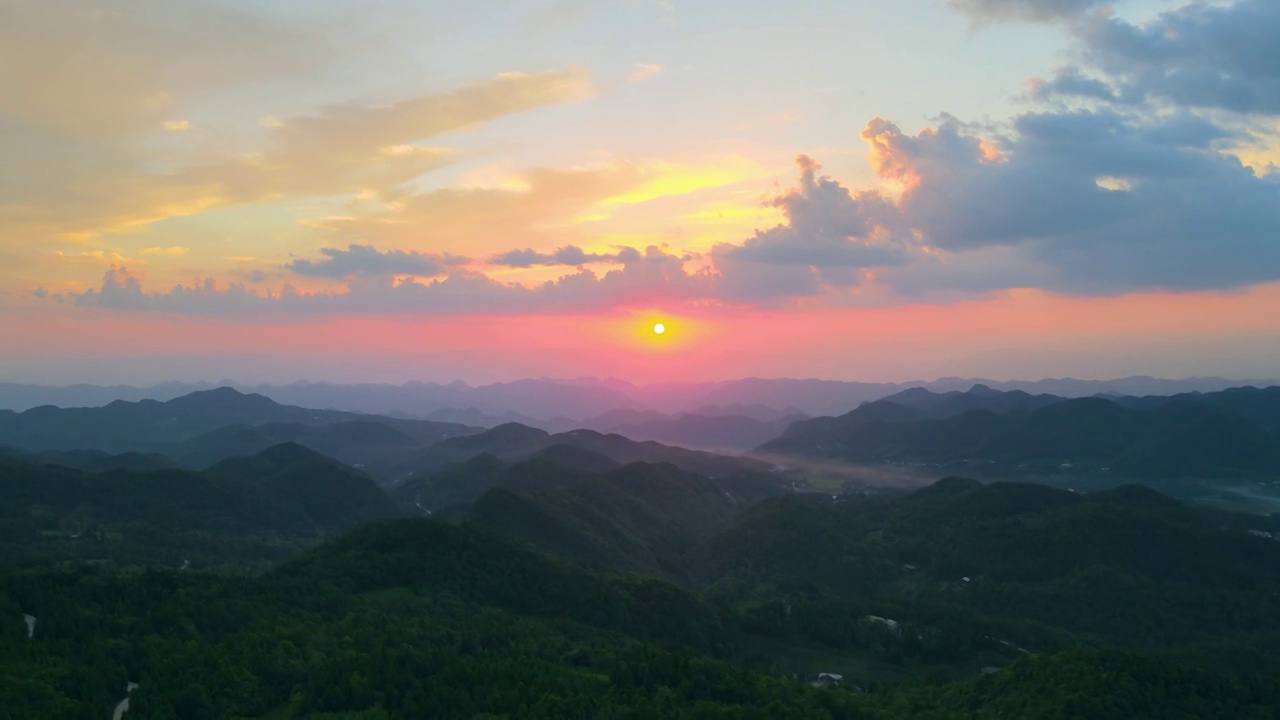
<point x="653" y="331"/>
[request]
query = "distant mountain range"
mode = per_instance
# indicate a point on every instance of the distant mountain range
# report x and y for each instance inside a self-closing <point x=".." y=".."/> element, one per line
<point x="122" y="426"/>
<point x="982" y="431"/>
<point x="558" y="405"/>
<point x="1229" y="433"/>
<point x="198" y="430"/>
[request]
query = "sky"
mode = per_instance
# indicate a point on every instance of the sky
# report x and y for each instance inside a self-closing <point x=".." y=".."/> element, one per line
<point x="387" y="190"/>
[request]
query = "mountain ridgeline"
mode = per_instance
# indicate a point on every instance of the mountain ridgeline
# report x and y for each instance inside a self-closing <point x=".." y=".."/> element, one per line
<point x="533" y="401"/>
<point x="199" y="430"/>
<point x="202" y="428"/>
<point x="1226" y="434"/>
<point x="1229" y="434"/>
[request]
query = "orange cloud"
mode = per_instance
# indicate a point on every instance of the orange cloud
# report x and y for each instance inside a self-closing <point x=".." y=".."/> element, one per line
<point x="344" y="149"/>
<point x="170" y="251"/>
<point x="540" y="208"/>
<point x="670" y="179"/>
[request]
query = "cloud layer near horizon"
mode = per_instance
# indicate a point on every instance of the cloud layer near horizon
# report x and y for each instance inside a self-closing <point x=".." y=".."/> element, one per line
<point x="1079" y="202"/>
<point x="1123" y="177"/>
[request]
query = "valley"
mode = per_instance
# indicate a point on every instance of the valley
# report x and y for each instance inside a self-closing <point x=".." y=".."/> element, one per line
<point x="278" y="581"/>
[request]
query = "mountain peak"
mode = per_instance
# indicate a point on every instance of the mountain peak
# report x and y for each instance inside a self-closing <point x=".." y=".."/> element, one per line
<point x="502" y="440"/>
<point x="223" y="398"/>
<point x="950" y="485"/>
<point x="290" y="452"/>
<point x="224" y="391"/>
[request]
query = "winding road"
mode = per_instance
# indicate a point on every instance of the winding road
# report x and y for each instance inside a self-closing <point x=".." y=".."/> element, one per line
<point x="123" y="706"/>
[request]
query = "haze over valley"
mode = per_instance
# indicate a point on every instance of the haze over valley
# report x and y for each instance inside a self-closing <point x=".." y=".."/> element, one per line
<point x="829" y="547"/>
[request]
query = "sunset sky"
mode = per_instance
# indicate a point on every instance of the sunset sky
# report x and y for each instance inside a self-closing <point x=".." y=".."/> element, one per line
<point x="847" y="189"/>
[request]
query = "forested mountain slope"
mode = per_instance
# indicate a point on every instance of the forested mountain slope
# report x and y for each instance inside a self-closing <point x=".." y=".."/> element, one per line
<point x="1127" y="566"/>
<point x="243" y="511"/>
<point x="1230" y="434"/>
<point x="417" y="618"/>
<point x="641" y="518"/>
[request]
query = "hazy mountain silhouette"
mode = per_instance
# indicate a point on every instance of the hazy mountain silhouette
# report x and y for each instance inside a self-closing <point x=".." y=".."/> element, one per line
<point x="536" y="401"/>
<point x="513" y="442"/>
<point x="91" y="460"/>
<point x="124" y="426"/>
<point x="712" y="432"/>
<point x="1227" y="434"/>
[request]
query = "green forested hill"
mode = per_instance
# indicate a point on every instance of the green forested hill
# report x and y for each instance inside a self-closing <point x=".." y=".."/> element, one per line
<point x="1127" y="567"/>
<point x="641" y="518"/>
<point x="262" y="508"/>
<point x="417" y="618"/>
<point x="1098" y="685"/>
<point x="1227" y="434"/>
<point x="513" y="443"/>
<point x="572" y="586"/>
<point x="90" y="460"/>
<point x="563" y="464"/>
<point x="465" y="482"/>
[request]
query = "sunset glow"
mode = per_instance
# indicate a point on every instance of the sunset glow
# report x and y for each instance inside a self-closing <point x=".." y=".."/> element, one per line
<point x="686" y="197"/>
<point x="551" y="358"/>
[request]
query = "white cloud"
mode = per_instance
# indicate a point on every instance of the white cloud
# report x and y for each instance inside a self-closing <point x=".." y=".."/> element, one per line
<point x="643" y="72"/>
